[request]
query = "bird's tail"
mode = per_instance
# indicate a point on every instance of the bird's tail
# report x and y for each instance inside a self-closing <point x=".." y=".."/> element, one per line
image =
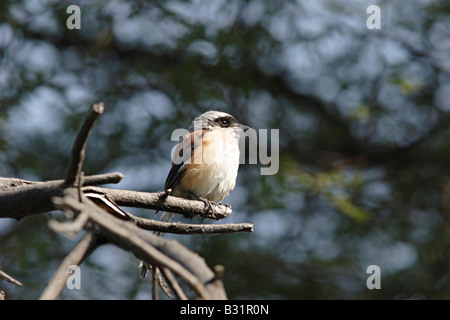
<point x="165" y="217"/>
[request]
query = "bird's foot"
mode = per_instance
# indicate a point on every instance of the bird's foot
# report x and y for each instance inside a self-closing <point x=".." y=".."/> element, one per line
<point x="208" y="203"/>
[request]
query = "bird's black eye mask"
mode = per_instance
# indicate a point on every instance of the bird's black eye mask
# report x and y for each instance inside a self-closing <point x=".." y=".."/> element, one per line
<point x="225" y="122"/>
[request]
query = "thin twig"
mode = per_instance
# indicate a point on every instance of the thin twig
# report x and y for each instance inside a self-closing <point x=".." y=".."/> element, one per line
<point x="185" y="228"/>
<point x="94" y="180"/>
<point x="173" y="283"/>
<point x="160" y="282"/>
<point x="155" y="286"/>
<point x="83" y="249"/>
<point x="68" y="229"/>
<point x="79" y="145"/>
<point x="7" y="277"/>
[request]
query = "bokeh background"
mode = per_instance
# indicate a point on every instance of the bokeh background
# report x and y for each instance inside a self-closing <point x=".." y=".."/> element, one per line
<point x="363" y="115"/>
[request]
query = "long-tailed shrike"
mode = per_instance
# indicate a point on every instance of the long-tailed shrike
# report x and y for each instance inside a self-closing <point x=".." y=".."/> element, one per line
<point x="205" y="162"/>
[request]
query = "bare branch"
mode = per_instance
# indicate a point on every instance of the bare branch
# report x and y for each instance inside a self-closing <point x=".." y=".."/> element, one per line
<point x="78" y="149"/>
<point x="185" y="228"/>
<point x="162" y="202"/>
<point x="99" y="179"/>
<point x="69" y="229"/>
<point x="23" y="201"/>
<point x="6" y="183"/>
<point x="155" y="287"/>
<point x="83" y="249"/>
<point x="173" y="283"/>
<point x="5" y="276"/>
<point x="94" y="180"/>
<point x="21" y="198"/>
<point x="152" y="249"/>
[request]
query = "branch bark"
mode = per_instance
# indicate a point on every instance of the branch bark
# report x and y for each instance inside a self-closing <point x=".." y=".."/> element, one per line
<point x="7" y="277"/>
<point x="79" y="146"/>
<point x="21" y="198"/>
<point x="187" y="228"/>
<point x="162" y="202"/>
<point x="172" y="282"/>
<point x="84" y="248"/>
<point x="94" y="180"/>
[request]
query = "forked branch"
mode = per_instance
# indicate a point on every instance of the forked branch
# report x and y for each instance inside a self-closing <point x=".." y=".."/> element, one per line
<point x="20" y="198"/>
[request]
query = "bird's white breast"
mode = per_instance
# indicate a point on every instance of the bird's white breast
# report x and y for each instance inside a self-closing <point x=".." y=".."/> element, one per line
<point x="220" y="165"/>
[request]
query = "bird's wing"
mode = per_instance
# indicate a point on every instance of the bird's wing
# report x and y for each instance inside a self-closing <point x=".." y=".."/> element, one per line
<point x="182" y="156"/>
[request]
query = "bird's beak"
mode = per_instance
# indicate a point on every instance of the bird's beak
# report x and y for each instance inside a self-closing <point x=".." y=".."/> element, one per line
<point x="242" y="127"/>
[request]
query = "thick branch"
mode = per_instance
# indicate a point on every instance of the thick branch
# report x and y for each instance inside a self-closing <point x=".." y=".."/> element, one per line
<point x="21" y="198"/>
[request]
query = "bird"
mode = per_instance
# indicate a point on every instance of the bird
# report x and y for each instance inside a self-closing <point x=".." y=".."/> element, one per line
<point x="205" y="162"/>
